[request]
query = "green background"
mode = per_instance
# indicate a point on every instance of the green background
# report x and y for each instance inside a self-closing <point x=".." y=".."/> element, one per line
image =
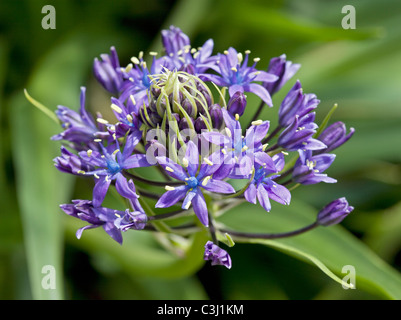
<point x="359" y="69"/>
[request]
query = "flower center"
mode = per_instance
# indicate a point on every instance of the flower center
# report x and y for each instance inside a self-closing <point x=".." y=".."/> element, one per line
<point x="113" y="166"/>
<point x="192" y="182"/>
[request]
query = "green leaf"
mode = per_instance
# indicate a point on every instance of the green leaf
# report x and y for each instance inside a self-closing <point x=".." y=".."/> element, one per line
<point x="333" y="246"/>
<point x="41" y="188"/>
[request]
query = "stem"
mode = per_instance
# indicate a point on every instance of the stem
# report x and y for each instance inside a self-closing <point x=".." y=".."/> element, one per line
<point x="166" y="215"/>
<point x="270" y="235"/>
<point x="240" y="192"/>
<point x="159" y="225"/>
<point x="256" y="115"/>
<point x="212" y="229"/>
<point x="270" y="136"/>
<point x="274" y="146"/>
<point x="150" y="182"/>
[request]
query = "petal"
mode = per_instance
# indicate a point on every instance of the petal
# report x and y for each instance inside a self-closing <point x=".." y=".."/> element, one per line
<point x="218" y="186"/>
<point x="188" y="199"/>
<point x="171" y="197"/>
<point x="263" y="197"/>
<point x="172" y="169"/>
<point x="250" y="193"/>
<point x="136" y="161"/>
<point x="217" y="138"/>
<point x="280" y="194"/>
<point x="123" y="188"/>
<point x="265" y="77"/>
<point x="113" y="232"/>
<point x="261" y="92"/>
<point x="192" y="155"/>
<point x="200" y="208"/>
<point x="100" y="190"/>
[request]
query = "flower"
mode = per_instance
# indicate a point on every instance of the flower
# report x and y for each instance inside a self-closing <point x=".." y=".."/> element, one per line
<point x="283" y="69"/>
<point x="296" y="103"/>
<point x="263" y="187"/>
<point x="309" y="169"/>
<point x="299" y="134"/>
<point x="194" y="182"/>
<point x="182" y="57"/>
<point x="109" y="165"/>
<point x="80" y="128"/>
<point x="237" y="76"/>
<point x="334" y="212"/>
<point x="69" y="162"/>
<point x="95" y="216"/>
<point x="107" y="71"/>
<point x="335" y="136"/>
<point x="217" y="255"/>
<point x="243" y="149"/>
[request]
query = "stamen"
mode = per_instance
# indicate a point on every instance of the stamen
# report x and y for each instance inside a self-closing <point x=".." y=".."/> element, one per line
<point x="96" y="176"/>
<point x="128" y="68"/>
<point x="185" y="162"/>
<point x="223" y="151"/>
<point x="140" y="55"/>
<point x="135" y="60"/>
<point x="206" y="180"/>
<point x="169" y="169"/>
<point x="187" y="205"/>
<point x="244" y="148"/>
<point x="228" y="132"/>
<point x="81" y="172"/>
<point x="210" y="163"/>
<point x="247" y="51"/>
<point x="264" y="146"/>
<point x="132" y="99"/>
<point x="97" y="140"/>
<point x="89" y="152"/>
<point x="129" y="118"/>
<point x="284" y="153"/>
<point x="116" y="108"/>
<point x="225" y="52"/>
<point x="101" y="120"/>
<point x="193" y="50"/>
<point x="256" y="59"/>
<point x="234" y="69"/>
<point x="257" y="122"/>
<point x="115" y="151"/>
<point x="153" y="53"/>
<point x="168" y="188"/>
<point x="237" y="116"/>
<point x="117" y="215"/>
<point x="240" y="57"/>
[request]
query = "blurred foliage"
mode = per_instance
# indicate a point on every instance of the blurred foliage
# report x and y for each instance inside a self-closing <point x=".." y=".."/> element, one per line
<point x="358" y="69"/>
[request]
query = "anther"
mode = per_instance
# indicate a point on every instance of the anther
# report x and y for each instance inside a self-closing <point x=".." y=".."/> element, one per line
<point x="168" y="188"/>
<point x="116" y="108"/>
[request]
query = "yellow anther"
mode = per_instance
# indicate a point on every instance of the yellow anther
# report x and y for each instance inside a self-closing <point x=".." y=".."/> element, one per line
<point x="135" y="60"/>
<point x="168" y="188"/>
<point x="89" y="152"/>
<point x="96" y="176"/>
<point x="228" y="132"/>
<point x="257" y="122"/>
<point x="101" y="120"/>
<point x="210" y="163"/>
<point x="206" y="180"/>
<point x="81" y="172"/>
<point x="97" y="140"/>
<point x="169" y="169"/>
<point x="116" y="108"/>
<point x="153" y="53"/>
<point x="185" y="162"/>
<point x="237" y="116"/>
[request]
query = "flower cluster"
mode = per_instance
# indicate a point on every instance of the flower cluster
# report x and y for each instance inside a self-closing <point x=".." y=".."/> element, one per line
<point x="181" y="113"/>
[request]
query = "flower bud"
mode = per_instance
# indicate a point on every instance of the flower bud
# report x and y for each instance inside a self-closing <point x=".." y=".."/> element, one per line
<point x="107" y="71"/>
<point x="237" y="104"/>
<point x="335" y="135"/>
<point x="216" y="115"/>
<point x="283" y="69"/>
<point x="334" y="212"/>
<point x="217" y="255"/>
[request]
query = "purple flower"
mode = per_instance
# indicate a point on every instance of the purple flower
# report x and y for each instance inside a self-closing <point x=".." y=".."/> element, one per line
<point x="335" y="136"/>
<point x="69" y="162"/>
<point x="217" y="255"/>
<point x="95" y="216"/>
<point x="296" y="103"/>
<point x="309" y="169"/>
<point x="109" y="164"/>
<point x="237" y="76"/>
<point x="80" y="128"/>
<point x="107" y="71"/>
<point x="334" y="212"/>
<point x="194" y="181"/>
<point x="299" y="134"/>
<point x="137" y="82"/>
<point x="243" y="149"/>
<point x="263" y="187"/>
<point x="283" y="69"/>
<point x="181" y="56"/>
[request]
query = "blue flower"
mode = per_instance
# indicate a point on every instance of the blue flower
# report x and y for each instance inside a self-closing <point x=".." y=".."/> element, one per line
<point x="309" y="168"/>
<point x="235" y="74"/>
<point x="95" y="216"/>
<point x="263" y="187"/>
<point x="335" y="136"/>
<point x="194" y="181"/>
<point x="109" y="165"/>
<point x="243" y="150"/>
